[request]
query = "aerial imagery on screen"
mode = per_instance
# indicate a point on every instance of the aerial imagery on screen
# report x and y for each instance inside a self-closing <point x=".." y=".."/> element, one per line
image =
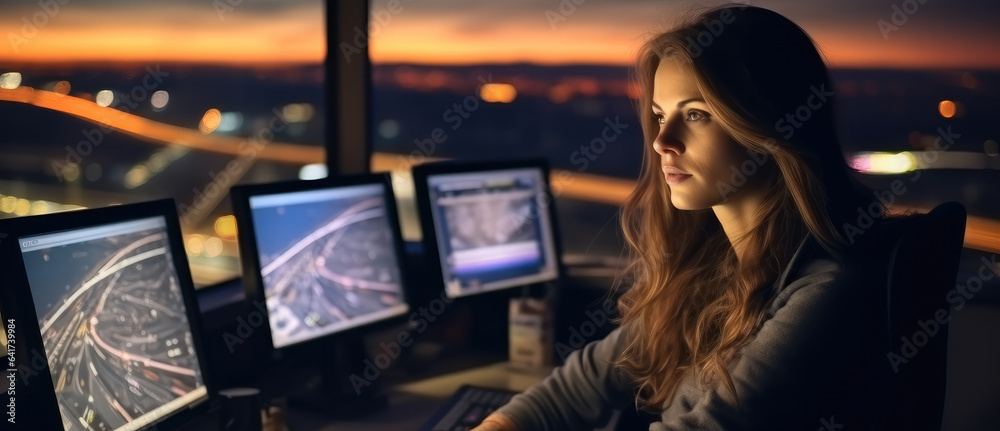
<point x="113" y="324"/>
<point x="328" y="261"/>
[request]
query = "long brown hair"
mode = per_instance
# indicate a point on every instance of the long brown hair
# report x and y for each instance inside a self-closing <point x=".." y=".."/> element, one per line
<point x="693" y="305"/>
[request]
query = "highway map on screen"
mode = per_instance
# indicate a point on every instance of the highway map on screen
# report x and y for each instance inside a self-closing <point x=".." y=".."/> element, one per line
<point x="115" y="329"/>
<point x="327" y="265"/>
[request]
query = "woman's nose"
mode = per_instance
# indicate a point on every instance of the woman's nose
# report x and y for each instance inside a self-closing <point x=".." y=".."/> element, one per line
<point x="667" y="140"/>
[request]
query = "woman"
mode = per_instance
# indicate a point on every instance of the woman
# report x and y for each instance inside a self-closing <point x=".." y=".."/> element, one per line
<point x="748" y="308"/>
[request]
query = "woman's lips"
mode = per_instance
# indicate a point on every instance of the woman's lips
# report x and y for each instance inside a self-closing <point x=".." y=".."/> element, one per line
<point x="674" y="175"/>
<point x="676" y="178"/>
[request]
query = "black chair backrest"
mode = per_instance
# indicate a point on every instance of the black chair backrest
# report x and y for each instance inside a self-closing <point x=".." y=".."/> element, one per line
<point x="923" y="267"/>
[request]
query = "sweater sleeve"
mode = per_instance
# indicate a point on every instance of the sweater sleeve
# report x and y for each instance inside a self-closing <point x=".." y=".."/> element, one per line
<point x="581" y="394"/>
<point x="811" y="345"/>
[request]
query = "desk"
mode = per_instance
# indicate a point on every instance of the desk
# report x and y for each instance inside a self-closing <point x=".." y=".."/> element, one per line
<point x="413" y="404"/>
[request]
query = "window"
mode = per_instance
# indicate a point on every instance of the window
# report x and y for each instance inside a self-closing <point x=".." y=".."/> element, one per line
<point x="501" y="79"/>
<point x="116" y="102"/>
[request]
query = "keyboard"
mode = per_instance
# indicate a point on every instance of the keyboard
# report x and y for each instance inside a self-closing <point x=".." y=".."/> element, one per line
<point x="467" y="407"/>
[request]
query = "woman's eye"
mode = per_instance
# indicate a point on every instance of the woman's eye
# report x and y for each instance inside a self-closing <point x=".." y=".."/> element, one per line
<point x="660" y="119"/>
<point x="696" y="116"/>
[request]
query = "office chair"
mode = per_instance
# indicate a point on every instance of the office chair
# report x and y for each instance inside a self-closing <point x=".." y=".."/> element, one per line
<point x="922" y="268"/>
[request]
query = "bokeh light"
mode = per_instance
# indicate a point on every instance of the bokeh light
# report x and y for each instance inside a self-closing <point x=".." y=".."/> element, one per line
<point x="388" y="129"/>
<point x="498" y="93"/>
<point x="22" y="207"/>
<point x="194" y="245"/>
<point x="39" y="207"/>
<point x="159" y="99"/>
<point x="210" y="121"/>
<point x="62" y="87"/>
<point x="10" y="80"/>
<point x="230" y="122"/>
<point x="225" y="227"/>
<point x="884" y="163"/>
<point x="313" y="171"/>
<point x="213" y="246"/>
<point x="70" y="172"/>
<point x="136" y="176"/>
<point x="297" y="112"/>
<point x="7" y="204"/>
<point x="105" y="98"/>
<point x="947" y="108"/>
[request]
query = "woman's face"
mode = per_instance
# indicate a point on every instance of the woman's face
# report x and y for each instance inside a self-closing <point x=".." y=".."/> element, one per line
<point x="702" y="165"/>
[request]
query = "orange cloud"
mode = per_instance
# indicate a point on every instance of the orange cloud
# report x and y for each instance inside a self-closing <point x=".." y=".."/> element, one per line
<point x="166" y="33"/>
<point x="596" y="34"/>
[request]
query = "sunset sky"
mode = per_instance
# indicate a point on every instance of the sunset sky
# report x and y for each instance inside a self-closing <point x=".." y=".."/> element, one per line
<point x="958" y="34"/>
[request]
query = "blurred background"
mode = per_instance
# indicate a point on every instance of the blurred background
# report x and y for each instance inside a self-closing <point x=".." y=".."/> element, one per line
<point x="204" y="95"/>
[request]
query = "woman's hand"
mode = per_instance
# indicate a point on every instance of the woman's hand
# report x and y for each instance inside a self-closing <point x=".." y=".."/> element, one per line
<point x="496" y="422"/>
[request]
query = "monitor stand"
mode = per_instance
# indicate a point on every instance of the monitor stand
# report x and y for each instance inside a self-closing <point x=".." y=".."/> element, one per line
<point x="347" y="388"/>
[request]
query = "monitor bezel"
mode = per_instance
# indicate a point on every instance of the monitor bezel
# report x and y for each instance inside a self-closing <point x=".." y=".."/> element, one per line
<point x="253" y="283"/>
<point x="432" y="253"/>
<point x="39" y="391"/>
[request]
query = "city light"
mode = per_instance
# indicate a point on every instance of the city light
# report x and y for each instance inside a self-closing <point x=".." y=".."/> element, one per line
<point x="194" y="245"/>
<point x="947" y="108"/>
<point x="156" y="163"/>
<point x="39" y="207"/>
<point x="388" y="129"/>
<point x="10" y="80"/>
<point x="136" y="176"/>
<point x="158" y="132"/>
<point x="7" y="204"/>
<point x="225" y="227"/>
<point x="313" y="171"/>
<point x="498" y="93"/>
<point x="61" y="87"/>
<point x="159" y="99"/>
<point x="297" y="112"/>
<point x="213" y="246"/>
<point x="230" y="122"/>
<point x="210" y="121"/>
<point x="22" y="207"/>
<point x="105" y="98"/>
<point x="71" y="172"/>
<point x="884" y="163"/>
<point x="560" y="93"/>
<point x="203" y="245"/>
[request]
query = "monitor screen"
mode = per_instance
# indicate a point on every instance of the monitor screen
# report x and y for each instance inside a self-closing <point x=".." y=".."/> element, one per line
<point x="114" y="324"/>
<point x="492" y="229"/>
<point x="328" y="260"/>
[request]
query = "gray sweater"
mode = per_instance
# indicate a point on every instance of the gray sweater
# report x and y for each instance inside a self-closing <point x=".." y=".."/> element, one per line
<point x="817" y="363"/>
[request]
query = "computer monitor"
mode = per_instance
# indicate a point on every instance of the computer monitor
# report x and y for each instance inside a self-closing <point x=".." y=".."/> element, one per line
<point x="488" y="226"/>
<point x="323" y="255"/>
<point x="323" y="258"/>
<point x="106" y="332"/>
